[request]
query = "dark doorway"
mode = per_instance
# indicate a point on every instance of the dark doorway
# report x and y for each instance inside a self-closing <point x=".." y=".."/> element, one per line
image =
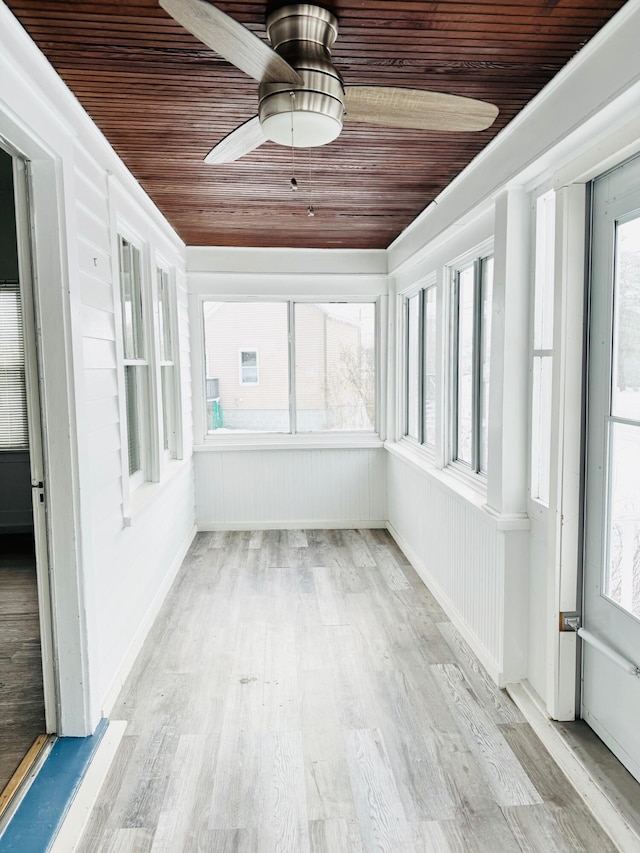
<point x="22" y="710"/>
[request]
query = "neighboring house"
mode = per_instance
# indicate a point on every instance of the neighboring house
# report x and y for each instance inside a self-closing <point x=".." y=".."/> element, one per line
<point x="247" y="359"/>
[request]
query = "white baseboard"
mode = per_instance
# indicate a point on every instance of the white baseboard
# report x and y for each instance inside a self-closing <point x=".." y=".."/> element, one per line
<point x="205" y="527"/>
<point x="145" y="626"/>
<point x="75" y="821"/>
<point x="595" y="798"/>
<point x="487" y="661"/>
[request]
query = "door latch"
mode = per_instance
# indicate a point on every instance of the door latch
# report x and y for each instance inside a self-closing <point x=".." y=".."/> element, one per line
<point x="570" y="620"/>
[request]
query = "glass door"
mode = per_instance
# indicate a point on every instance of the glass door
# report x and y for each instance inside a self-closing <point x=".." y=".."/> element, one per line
<point x="611" y="616"/>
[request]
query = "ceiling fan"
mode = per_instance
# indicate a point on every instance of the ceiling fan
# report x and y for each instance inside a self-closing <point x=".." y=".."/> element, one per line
<point x="302" y="98"/>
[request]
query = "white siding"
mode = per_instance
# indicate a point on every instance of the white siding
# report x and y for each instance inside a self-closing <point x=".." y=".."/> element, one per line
<point x="107" y="578"/>
<point x="129" y="563"/>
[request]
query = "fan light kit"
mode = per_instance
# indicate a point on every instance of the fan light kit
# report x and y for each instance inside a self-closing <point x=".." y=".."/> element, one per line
<point x="302" y="99"/>
<point x="309" y="115"/>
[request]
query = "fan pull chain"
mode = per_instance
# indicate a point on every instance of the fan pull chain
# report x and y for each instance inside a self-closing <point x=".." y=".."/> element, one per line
<point x="294" y="183"/>
<point x="310" y="210"/>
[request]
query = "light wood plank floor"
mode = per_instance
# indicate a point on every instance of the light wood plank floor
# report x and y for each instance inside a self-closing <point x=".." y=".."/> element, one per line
<point x="21" y="692"/>
<point x="302" y="691"/>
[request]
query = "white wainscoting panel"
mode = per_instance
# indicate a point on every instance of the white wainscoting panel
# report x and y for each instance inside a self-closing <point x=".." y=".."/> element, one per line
<point x="477" y="571"/>
<point x="324" y="487"/>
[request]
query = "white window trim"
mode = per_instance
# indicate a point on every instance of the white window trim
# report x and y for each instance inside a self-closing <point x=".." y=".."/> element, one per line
<point x="160" y="271"/>
<point x="203" y="440"/>
<point x="171" y="454"/>
<point x="430" y="448"/>
<point x="133" y="483"/>
<point x="417" y="288"/>
<point x="460" y="470"/>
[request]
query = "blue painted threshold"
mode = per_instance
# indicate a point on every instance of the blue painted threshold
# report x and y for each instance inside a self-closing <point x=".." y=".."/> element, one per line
<point x="39" y="816"/>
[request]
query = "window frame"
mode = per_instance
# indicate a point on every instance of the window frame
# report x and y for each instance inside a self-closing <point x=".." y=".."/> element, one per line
<point x="136" y="364"/>
<point x="293" y="435"/>
<point x="413" y="409"/>
<point x="419" y="291"/>
<point x="475" y="260"/>
<point x="170" y="409"/>
<point x="430" y="446"/>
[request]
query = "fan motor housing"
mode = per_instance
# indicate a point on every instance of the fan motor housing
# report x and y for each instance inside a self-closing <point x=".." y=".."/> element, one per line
<point x="310" y="114"/>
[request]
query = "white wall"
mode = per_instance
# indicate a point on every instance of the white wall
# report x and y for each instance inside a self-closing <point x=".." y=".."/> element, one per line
<point x="284" y="481"/>
<point x="502" y="576"/>
<point x="109" y="572"/>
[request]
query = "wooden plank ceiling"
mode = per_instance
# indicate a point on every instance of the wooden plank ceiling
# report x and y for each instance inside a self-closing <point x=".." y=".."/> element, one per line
<point x="163" y="99"/>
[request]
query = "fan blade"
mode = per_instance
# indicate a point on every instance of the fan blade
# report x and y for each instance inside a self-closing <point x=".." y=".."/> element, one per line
<point x="414" y="108"/>
<point x="243" y="140"/>
<point x="232" y="41"/>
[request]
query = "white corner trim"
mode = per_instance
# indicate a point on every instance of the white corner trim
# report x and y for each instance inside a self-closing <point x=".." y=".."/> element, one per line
<point x="595" y="798"/>
<point x="488" y="662"/>
<point x="76" y="819"/>
<point x="144" y="627"/>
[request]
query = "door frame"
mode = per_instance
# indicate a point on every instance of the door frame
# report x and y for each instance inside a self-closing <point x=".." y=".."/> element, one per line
<point x="566" y="476"/>
<point x="617" y="208"/>
<point x="34" y="424"/>
<point x="48" y="212"/>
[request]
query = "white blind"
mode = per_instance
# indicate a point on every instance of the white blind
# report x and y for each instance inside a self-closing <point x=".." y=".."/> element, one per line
<point x="13" y="395"/>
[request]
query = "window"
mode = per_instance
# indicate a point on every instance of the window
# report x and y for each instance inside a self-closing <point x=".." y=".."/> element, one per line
<point x="249" y="367"/>
<point x="168" y="378"/>
<point x="542" y="367"/>
<point x="429" y="367"/>
<point x="420" y="360"/>
<point x="135" y="360"/>
<point x="622" y="558"/>
<point x="472" y="296"/>
<point x="13" y="397"/>
<point x="233" y="404"/>
<point x="310" y="368"/>
<point x="334" y="366"/>
<point x="413" y="366"/>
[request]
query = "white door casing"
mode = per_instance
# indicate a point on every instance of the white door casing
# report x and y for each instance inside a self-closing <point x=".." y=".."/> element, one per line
<point x="38" y="491"/>
<point x="49" y="221"/>
<point x="611" y="607"/>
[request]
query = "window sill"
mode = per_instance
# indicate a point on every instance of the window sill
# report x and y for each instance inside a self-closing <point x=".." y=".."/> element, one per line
<point x="457" y="483"/>
<point x="144" y="495"/>
<point x="272" y="441"/>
